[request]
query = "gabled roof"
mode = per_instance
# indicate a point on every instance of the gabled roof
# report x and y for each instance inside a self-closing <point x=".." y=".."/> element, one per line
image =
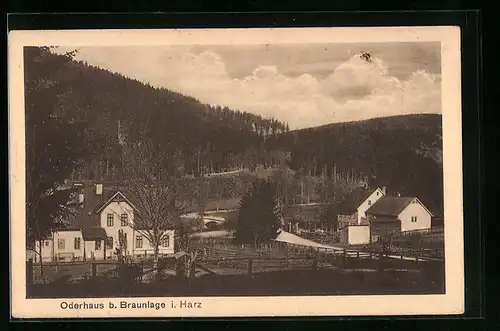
<point x="350" y="203"/>
<point x="392" y="206"/>
<point x="85" y="216"/>
<point x="114" y="195"/>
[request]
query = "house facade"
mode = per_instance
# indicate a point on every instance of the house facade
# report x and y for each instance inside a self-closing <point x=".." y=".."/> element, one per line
<point x="397" y="214"/>
<point x="352" y="210"/>
<point x="352" y="224"/>
<point x="105" y="226"/>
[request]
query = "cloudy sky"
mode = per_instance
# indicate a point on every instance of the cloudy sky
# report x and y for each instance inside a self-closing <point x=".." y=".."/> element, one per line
<point x="303" y="85"/>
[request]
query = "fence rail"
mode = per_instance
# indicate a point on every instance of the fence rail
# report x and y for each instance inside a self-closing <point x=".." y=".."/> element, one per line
<point x="351" y="260"/>
<point x="81" y="271"/>
<point x="280" y="249"/>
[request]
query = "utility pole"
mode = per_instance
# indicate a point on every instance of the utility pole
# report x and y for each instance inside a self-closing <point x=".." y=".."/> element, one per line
<point x="301" y="190"/>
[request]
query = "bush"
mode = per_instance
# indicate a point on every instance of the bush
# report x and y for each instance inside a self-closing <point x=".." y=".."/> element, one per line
<point x="414" y="240"/>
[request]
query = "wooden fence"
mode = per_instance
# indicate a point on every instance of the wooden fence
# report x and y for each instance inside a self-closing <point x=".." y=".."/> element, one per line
<point x="83" y="271"/>
<point x="319" y="259"/>
<point x="226" y="250"/>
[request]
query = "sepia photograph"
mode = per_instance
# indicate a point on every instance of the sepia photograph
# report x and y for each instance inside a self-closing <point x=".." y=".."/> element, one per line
<point x="173" y="173"/>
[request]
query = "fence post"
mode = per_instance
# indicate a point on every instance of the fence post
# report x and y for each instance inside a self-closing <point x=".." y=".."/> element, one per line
<point x="315" y="261"/>
<point x="381" y="261"/>
<point x="250" y="266"/>
<point x="344" y="257"/>
<point x="357" y="254"/>
<point x="29" y="276"/>
<point x="94" y="269"/>
<point x="192" y="271"/>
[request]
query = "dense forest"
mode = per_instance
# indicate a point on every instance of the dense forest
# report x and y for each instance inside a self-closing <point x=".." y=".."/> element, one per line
<point x="402" y="153"/>
<point x="124" y="111"/>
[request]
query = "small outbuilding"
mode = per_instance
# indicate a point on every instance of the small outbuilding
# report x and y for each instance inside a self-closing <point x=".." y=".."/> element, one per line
<point x="397" y="214"/>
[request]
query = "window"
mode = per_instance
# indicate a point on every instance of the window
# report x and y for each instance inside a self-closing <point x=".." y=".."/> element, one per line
<point x="124" y="219"/>
<point x="369" y="202"/>
<point x="138" y="242"/>
<point x="77" y="243"/>
<point x="61" y="244"/>
<point x="98" y="245"/>
<point x="109" y="243"/>
<point x="47" y="243"/>
<point x="414" y="219"/>
<point x="378" y="193"/>
<point x="166" y="241"/>
<point x="110" y="220"/>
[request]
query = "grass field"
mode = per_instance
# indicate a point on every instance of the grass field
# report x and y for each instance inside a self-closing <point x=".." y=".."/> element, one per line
<point x="283" y="283"/>
<point x="68" y="272"/>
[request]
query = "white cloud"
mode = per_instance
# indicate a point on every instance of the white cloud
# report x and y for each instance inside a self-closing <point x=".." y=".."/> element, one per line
<point x="354" y="90"/>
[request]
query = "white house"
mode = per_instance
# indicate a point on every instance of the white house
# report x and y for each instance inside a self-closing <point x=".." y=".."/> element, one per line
<point x="398" y="214"/>
<point x="352" y="209"/>
<point x="102" y="219"/>
<point x="352" y="223"/>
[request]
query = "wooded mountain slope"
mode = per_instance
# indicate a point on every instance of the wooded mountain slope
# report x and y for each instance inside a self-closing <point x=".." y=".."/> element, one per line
<point x="403" y="153"/>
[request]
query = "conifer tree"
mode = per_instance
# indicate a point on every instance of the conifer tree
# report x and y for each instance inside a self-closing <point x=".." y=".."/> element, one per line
<point x="259" y="216"/>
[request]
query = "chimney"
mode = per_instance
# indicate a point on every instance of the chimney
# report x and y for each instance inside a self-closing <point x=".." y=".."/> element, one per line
<point x="383" y="189"/>
<point x="98" y="189"/>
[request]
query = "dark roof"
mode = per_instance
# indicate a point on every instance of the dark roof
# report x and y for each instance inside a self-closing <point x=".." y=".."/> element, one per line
<point x="350" y="203"/>
<point x="84" y="216"/>
<point x="90" y="234"/>
<point x="68" y="229"/>
<point x="109" y="195"/>
<point x="389" y="206"/>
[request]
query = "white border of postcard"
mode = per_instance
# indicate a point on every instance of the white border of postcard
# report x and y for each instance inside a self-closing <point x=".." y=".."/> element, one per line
<point x="450" y="303"/>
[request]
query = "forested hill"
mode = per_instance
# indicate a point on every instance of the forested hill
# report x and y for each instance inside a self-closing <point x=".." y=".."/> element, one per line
<point x="119" y="110"/>
<point x="403" y="153"/>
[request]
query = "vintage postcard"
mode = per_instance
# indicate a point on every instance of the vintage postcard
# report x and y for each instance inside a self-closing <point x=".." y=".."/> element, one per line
<point x="236" y="172"/>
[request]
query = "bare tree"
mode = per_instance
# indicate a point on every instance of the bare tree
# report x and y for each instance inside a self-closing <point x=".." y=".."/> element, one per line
<point x="160" y="210"/>
<point x="201" y="195"/>
<point x="189" y="253"/>
<point x="122" y="245"/>
<point x="158" y="190"/>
